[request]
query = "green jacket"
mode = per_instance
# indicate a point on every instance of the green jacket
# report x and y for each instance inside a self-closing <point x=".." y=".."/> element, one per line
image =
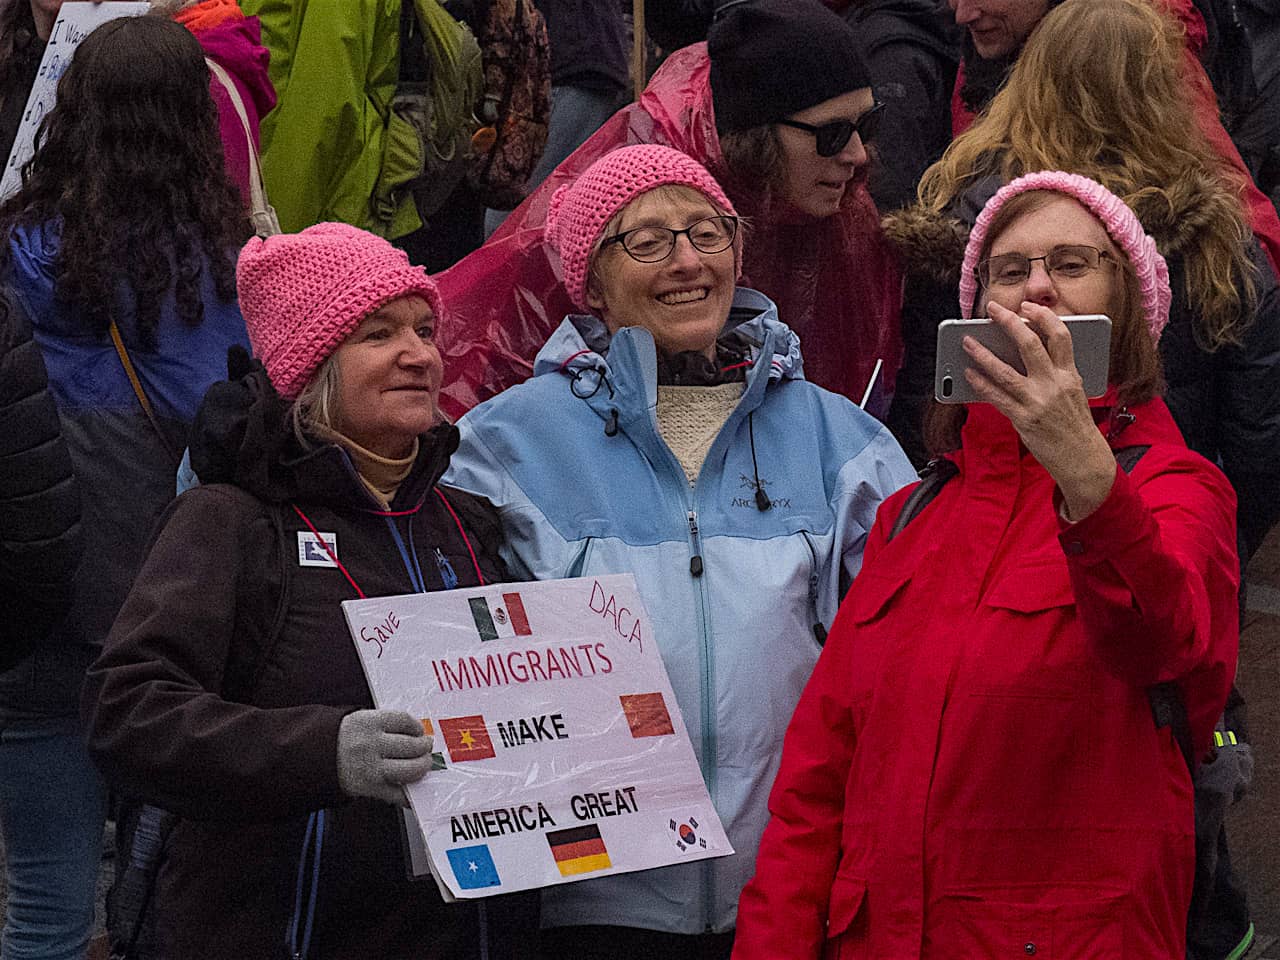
<point x="333" y="143"/>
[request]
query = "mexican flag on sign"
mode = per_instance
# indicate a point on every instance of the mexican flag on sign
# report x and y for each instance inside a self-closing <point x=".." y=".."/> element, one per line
<point x="500" y="616"/>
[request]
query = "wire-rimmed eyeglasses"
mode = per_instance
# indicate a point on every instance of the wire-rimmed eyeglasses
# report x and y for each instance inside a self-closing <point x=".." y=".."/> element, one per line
<point x="1068" y="261"/>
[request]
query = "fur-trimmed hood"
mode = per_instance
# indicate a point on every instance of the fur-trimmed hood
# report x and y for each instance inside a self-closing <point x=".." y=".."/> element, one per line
<point x="933" y="244"/>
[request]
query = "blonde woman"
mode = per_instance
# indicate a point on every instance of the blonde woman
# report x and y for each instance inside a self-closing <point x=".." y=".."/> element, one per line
<point x="1099" y="90"/>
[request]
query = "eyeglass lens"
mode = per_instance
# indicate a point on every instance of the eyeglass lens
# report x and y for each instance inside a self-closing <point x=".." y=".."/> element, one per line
<point x="832" y="137"/>
<point x="654" y="243"/>
<point x="1062" y="262"/>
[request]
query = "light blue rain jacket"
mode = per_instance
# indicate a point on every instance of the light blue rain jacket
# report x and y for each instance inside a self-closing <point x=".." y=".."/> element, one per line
<point x="738" y="640"/>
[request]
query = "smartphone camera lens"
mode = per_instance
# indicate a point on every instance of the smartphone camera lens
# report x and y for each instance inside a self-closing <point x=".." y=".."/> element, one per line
<point x="947" y="388"/>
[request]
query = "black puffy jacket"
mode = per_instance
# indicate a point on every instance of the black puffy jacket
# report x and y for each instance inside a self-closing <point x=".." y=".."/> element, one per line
<point x="39" y="499"/>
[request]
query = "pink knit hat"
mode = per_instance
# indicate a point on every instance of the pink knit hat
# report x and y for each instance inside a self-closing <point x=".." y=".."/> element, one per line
<point x="1122" y="226"/>
<point x="302" y="294"/>
<point x="579" y="211"/>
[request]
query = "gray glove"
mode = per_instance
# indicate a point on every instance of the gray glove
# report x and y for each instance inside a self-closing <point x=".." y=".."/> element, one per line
<point x="379" y="751"/>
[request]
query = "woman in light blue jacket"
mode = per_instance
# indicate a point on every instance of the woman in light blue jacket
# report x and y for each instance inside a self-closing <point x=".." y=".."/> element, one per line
<point x="670" y="433"/>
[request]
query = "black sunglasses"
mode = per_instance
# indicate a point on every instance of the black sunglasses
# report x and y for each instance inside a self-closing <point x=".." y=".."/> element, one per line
<point x="832" y="137"/>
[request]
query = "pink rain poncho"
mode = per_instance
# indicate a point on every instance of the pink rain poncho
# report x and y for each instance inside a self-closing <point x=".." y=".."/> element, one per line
<point x="835" y="280"/>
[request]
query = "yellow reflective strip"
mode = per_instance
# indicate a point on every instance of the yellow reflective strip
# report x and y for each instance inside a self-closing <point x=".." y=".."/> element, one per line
<point x="1232" y="737"/>
<point x="1217" y="738"/>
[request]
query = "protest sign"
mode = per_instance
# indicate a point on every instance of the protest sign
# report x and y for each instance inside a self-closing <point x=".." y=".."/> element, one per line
<point x="560" y="752"/>
<point x="75" y="22"/>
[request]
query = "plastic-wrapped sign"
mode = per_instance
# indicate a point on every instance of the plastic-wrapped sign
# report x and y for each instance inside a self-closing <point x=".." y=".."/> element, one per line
<point x="75" y="22"/>
<point x="560" y="752"/>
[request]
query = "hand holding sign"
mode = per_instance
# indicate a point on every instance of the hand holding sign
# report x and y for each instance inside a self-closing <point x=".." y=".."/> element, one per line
<point x="563" y="755"/>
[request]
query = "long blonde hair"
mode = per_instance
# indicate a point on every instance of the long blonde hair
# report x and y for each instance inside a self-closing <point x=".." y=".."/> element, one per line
<point x="1101" y="89"/>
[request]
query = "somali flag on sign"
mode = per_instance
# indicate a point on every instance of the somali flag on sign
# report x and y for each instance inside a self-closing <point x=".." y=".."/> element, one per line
<point x="500" y="616"/>
<point x="473" y="867"/>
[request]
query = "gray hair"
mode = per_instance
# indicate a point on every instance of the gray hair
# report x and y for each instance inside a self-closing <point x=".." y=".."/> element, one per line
<point x="317" y="404"/>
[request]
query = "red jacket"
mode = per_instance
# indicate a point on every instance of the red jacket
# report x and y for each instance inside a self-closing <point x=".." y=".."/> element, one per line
<point x="1262" y="216"/>
<point x="973" y="769"/>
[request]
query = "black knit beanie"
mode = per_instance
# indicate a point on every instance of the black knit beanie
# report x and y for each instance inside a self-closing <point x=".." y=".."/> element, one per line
<point x="770" y="58"/>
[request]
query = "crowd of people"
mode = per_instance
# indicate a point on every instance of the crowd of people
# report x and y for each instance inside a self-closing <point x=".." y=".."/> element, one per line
<point x="700" y="351"/>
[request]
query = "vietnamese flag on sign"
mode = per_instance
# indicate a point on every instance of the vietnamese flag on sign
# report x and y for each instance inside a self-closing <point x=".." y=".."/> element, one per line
<point x="467" y="738"/>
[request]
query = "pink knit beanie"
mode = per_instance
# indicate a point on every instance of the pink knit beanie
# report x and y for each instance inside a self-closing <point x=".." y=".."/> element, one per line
<point x="1122" y="226"/>
<point x="579" y="211"/>
<point x="302" y="294"/>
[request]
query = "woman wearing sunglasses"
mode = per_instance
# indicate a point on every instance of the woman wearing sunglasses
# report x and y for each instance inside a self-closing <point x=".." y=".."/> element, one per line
<point x="778" y="105"/>
<point x="668" y="432"/>
<point x="978" y="767"/>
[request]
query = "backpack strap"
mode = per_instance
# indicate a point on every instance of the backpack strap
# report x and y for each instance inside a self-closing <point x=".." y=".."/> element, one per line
<point x="1167" y="706"/>
<point x="1169" y="710"/>
<point x="262" y="214"/>
<point x="136" y="382"/>
<point x="933" y="478"/>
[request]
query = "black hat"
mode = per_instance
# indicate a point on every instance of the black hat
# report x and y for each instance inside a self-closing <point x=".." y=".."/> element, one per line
<point x="770" y="58"/>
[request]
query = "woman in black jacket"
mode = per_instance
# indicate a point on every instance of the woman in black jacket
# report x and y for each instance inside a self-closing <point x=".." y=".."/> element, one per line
<point x="39" y="499"/>
<point x="230" y="691"/>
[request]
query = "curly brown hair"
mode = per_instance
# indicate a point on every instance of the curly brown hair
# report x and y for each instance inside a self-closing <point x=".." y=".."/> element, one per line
<point x="129" y="163"/>
<point x="1102" y="89"/>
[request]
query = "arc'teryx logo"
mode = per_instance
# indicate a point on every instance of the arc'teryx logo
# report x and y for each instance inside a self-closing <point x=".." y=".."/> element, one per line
<point x="751" y="483"/>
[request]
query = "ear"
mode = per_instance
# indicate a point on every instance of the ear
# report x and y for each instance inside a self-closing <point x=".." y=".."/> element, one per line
<point x="595" y="297"/>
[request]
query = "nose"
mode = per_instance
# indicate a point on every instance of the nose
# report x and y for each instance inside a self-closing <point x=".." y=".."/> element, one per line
<point x="966" y="11"/>
<point x="414" y="351"/>
<point x="854" y="152"/>
<point x="685" y="256"/>
<point x="1039" y="287"/>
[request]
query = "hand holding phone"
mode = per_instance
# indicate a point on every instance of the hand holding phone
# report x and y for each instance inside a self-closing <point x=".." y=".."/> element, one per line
<point x="1046" y="404"/>
<point x="1090" y="343"/>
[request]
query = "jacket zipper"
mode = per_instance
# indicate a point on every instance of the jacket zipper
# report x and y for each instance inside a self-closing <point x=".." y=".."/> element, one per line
<point x="708" y="708"/>
<point x="819" y="631"/>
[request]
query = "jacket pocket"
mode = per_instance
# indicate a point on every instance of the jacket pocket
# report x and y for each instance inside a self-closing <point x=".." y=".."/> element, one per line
<point x="846" y="928"/>
<point x="1042" y="921"/>
<point x="1032" y="588"/>
<point x="872" y="593"/>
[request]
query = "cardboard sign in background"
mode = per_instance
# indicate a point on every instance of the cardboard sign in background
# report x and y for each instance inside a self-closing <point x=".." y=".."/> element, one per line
<point x="561" y="754"/>
<point x="75" y="22"/>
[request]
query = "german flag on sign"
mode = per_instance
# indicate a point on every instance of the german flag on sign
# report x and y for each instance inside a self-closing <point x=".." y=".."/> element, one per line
<point x="579" y="850"/>
<point x="467" y="738"/>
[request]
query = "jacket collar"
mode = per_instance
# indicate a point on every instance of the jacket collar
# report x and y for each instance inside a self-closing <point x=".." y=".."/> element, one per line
<point x="617" y="375"/>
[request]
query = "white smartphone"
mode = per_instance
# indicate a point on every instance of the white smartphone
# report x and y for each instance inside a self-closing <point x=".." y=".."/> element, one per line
<point x="1090" y="342"/>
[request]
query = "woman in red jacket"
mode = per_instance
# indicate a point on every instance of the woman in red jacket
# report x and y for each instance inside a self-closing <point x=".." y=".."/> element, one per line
<point x="975" y="768"/>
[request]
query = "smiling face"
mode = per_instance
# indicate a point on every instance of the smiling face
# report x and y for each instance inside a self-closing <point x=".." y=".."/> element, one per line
<point x="683" y="300"/>
<point x="812" y="185"/>
<point x="998" y="27"/>
<point x="1059" y="221"/>
<point x="389" y="373"/>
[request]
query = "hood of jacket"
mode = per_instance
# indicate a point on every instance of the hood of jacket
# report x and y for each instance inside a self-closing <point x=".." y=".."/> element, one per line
<point x="933" y="244"/>
<point x="33" y="252"/>
<point x="237" y="47"/>
<point x="243" y="435"/>
<point x="617" y="375"/>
